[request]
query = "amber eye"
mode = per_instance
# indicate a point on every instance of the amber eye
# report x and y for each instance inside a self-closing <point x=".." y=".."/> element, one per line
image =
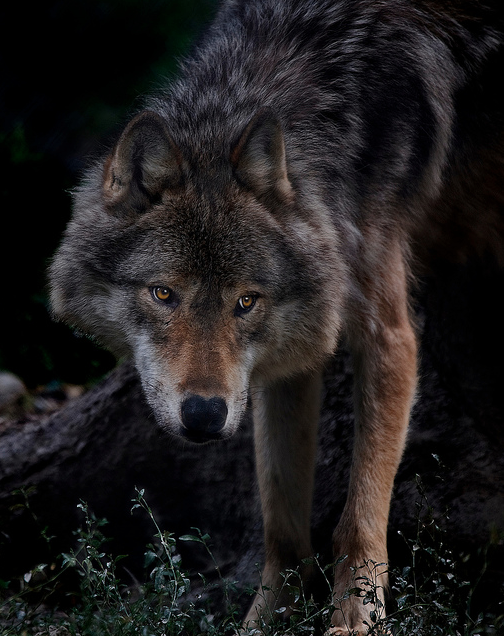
<point x="245" y="303"/>
<point x="163" y="294"/>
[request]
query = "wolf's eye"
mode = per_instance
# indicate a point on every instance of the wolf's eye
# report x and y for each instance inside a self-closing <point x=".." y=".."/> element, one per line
<point x="245" y="303"/>
<point x="162" y="294"/>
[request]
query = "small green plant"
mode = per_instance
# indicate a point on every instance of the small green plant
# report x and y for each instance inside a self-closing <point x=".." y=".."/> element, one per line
<point x="430" y="596"/>
<point x="106" y="606"/>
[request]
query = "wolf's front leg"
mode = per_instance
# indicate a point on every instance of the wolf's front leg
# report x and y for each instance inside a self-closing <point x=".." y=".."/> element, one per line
<point x="285" y="420"/>
<point x="384" y="348"/>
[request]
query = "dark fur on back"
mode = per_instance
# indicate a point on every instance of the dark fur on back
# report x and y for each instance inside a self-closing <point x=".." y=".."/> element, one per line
<point x="374" y="94"/>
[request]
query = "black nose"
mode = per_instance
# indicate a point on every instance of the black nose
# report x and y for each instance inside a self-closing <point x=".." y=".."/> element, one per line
<point x="202" y="418"/>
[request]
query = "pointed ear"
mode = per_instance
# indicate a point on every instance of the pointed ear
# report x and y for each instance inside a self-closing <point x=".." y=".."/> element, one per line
<point x="258" y="159"/>
<point x="143" y="164"/>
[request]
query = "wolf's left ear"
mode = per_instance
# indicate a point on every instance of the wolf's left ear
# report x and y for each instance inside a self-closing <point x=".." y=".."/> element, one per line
<point x="258" y="159"/>
<point x="144" y="162"/>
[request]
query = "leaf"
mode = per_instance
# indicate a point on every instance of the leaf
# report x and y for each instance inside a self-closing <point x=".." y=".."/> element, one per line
<point x="402" y="600"/>
<point x="68" y="559"/>
<point x="150" y="557"/>
<point x="296" y="593"/>
<point x="18" y="506"/>
<point x="190" y="537"/>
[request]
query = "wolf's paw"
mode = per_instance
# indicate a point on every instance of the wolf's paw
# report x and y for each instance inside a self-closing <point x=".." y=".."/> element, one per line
<point x="342" y="627"/>
<point x="352" y="628"/>
<point x="266" y="608"/>
<point x="359" y="601"/>
<point x="356" y="631"/>
<point x="344" y="631"/>
<point x="278" y="597"/>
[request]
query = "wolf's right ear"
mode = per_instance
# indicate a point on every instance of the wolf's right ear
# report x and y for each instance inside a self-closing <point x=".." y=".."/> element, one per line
<point x="144" y="163"/>
<point x="259" y="160"/>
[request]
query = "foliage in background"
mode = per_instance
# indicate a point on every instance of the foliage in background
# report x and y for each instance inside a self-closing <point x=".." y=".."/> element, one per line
<point x="70" y="74"/>
<point x="430" y="596"/>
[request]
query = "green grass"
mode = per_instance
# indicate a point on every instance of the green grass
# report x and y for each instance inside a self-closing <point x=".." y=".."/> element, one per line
<point x="429" y="596"/>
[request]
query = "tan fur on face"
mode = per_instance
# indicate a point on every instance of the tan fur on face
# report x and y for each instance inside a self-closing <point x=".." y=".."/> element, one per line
<point x="190" y="356"/>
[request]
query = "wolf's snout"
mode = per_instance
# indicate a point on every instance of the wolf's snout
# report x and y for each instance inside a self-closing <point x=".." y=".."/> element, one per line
<point x="203" y="419"/>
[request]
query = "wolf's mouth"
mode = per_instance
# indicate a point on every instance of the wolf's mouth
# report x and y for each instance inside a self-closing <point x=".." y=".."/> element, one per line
<point x="200" y="437"/>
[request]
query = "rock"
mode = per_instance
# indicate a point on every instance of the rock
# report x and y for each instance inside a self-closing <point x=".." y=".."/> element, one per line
<point x="12" y="390"/>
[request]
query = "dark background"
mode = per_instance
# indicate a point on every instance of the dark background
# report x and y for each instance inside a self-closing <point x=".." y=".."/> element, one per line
<point x="70" y="73"/>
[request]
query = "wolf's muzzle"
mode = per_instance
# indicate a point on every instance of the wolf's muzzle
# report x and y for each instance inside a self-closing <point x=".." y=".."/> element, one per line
<point x="203" y="419"/>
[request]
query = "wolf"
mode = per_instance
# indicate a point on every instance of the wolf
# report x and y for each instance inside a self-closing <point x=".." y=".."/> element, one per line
<point x="284" y="192"/>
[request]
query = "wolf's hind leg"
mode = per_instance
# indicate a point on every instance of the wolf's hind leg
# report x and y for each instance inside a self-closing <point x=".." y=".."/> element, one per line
<point x="285" y="420"/>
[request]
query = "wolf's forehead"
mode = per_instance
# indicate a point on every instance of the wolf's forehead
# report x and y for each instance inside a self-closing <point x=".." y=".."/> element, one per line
<point x="188" y="245"/>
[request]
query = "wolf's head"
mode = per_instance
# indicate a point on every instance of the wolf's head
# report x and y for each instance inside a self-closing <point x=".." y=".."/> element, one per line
<point x="212" y="272"/>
